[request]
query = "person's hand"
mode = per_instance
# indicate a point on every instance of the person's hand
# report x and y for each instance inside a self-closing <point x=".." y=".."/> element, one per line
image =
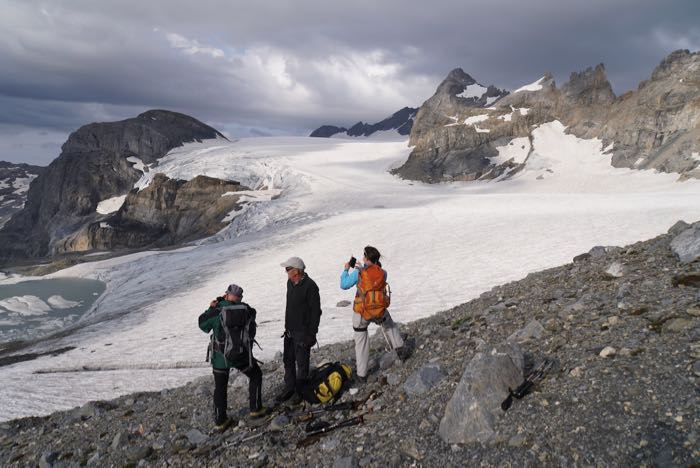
<point x="347" y="266"/>
<point x="213" y="303"/>
<point x="310" y="340"/>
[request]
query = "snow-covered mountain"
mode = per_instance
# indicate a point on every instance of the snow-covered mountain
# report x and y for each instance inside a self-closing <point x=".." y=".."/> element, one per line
<point x="324" y="200"/>
<point x="397" y="125"/>
<point x="654" y="127"/>
<point x="14" y="185"/>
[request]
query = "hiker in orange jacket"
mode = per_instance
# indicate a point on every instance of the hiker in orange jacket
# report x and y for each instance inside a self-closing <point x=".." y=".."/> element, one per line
<point x="370" y="306"/>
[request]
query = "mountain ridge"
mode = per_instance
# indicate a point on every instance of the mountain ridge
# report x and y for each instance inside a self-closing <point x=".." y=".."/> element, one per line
<point x="655" y="127"/>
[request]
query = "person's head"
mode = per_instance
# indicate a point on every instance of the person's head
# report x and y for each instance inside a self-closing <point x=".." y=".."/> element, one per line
<point x="233" y="293"/>
<point x="372" y="255"/>
<point x="294" y="266"/>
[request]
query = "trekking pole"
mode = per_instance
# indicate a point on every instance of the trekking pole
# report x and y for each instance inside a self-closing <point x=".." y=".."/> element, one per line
<point x="534" y="377"/>
<point x="391" y="348"/>
<point x="314" y="436"/>
<point x="346" y="405"/>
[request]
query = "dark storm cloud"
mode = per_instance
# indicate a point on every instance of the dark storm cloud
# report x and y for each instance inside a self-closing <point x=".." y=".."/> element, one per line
<point x="289" y="66"/>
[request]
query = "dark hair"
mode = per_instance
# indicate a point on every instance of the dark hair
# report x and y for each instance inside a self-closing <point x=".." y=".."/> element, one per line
<point x="372" y="255"/>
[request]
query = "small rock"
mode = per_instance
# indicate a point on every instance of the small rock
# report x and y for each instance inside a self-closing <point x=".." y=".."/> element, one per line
<point x="195" y="436"/>
<point x="409" y="448"/>
<point x="582" y="257"/>
<point x="87" y="411"/>
<point x="691" y="279"/>
<point x="597" y="251"/>
<point x="423" y="379"/>
<point x="47" y="459"/>
<point x="138" y="453"/>
<point x="279" y="422"/>
<point x="94" y="458"/>
<point x="345" y="462"/>
<point x="677" y="325"/>
<point x="393" y="379"/>
<point x="387" y="360"/>
<point x="678" y="228"/>
<point x="119" y="440"/>
<point x="517" y="440"/>
<point x="608" y="351"/>
<point x="343" y="303"/>
<point x="576" y="372"/>
<point x="329" y="444"/>
<point x="694" y="310"/>
<point x="532" y="330"/>
<point x="615" y="270"/>
<point x="696" y="368"/>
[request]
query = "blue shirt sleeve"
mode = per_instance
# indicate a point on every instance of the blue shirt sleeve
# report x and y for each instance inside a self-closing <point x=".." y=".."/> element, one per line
<point x="348" y="280"/>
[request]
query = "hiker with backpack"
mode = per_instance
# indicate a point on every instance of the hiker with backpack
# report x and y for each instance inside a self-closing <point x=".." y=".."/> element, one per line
<point x="301" y="318"/>
<point x="233" y="325"/>
<point x="370" y="306"/>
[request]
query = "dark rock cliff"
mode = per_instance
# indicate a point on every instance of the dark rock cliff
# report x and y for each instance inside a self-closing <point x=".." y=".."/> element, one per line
<point x="92" y="167"/>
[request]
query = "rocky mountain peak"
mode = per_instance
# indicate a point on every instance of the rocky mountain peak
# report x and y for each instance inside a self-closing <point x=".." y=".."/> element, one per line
<point x="455" y="82"/>
<point x="95" y="164"/>
<point x="150" y="135"/>
<point x="677" y="62"/>
<point x="590" y="86"/>
<point x="655" y="127"/>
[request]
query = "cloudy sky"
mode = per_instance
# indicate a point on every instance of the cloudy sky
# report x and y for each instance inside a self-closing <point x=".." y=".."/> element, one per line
<point x="287" y="66"/>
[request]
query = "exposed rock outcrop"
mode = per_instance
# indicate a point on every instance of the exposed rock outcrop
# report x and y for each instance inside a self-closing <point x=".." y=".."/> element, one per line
<point x="92" y="167"/>
<point x="14" y="185"/>
<point x="401" y="121"/>
<point x="167" y="212"/>
<point x="655" y="127"/>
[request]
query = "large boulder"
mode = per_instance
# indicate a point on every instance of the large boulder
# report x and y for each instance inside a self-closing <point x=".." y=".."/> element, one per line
<point x="686" y="245"/>
<point x="472" y="412"/>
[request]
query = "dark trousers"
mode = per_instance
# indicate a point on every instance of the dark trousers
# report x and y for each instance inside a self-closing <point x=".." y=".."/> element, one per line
<point x="254" y="375"/>
<point x="296" y="363"/>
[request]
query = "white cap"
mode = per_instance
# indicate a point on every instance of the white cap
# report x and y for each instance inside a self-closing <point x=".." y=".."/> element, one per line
<point x="294" y="262"/>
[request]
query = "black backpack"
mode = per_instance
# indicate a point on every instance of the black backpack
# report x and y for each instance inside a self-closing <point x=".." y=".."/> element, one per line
<point x="238" y="329"/>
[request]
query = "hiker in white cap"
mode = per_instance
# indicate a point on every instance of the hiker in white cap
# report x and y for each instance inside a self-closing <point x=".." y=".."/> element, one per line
<point x="301" y="318"/>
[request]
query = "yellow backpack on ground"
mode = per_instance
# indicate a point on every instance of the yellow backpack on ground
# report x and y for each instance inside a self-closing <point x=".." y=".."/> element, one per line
<point x="326" y="383"/>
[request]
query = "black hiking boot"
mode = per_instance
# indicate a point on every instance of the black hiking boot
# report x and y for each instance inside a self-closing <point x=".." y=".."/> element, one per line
<point x="263" y="411"/>
<point x="221" y="426"/>
<point x="284" y="396"/>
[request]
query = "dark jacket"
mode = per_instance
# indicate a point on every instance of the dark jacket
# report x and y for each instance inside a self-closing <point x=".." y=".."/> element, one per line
<point x="210" y="321"/>
<point x="303" y="312"/>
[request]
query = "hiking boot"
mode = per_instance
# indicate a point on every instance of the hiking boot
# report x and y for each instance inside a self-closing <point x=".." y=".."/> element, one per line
<point x="223" y="425"/>
<point x="284" y="396"/>
<point x="295" y="399"/>
<point x="264" y="411"/>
